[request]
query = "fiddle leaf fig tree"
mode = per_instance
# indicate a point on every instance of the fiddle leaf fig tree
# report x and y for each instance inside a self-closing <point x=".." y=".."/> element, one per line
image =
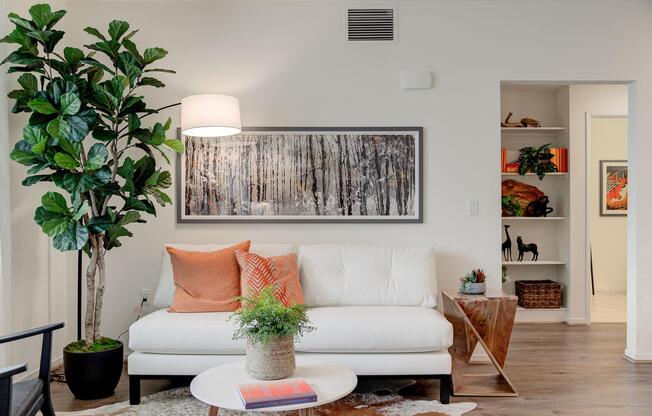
<point x="86" y="135"/>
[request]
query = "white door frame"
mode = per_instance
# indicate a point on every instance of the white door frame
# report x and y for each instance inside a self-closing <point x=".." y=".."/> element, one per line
<point x="587" y="196"/>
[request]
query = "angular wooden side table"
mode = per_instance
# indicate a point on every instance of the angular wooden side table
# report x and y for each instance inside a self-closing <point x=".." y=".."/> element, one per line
<point x="486" y="320"/>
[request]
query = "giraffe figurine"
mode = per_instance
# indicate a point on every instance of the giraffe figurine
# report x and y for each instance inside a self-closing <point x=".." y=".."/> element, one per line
<point x="507" y="246"/>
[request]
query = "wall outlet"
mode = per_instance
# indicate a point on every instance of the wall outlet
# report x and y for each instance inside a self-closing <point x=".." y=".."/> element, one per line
<point x="146" y="296"/>
<point x="473" y="207"/>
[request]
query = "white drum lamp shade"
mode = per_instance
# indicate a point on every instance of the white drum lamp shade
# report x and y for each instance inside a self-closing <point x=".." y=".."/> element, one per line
<point x="210" y="115"/>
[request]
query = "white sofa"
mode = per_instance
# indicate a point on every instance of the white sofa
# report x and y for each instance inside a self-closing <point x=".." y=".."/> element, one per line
<point x="373" y="306"/>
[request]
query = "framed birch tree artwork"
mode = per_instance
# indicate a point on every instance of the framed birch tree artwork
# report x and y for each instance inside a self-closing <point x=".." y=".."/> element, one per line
<point x="273" y="174"/>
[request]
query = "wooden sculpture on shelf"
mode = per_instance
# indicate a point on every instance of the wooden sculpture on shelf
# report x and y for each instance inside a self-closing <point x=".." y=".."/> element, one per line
<point x="524" y="248"/>
<point x="525" y="122"/>
<point x="539" y="208"/>
<point x="521" y="193"/>
<point x="507" y="246"/>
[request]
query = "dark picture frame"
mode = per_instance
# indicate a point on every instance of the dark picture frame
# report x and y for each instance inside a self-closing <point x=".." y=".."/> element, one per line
<point x="607" y="167"/>
<point x="396" y="133"/>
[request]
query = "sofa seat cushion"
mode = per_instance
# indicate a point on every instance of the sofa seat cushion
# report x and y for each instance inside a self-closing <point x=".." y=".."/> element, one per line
<point x="376" y="329"/>
<point x="164" y="332"/>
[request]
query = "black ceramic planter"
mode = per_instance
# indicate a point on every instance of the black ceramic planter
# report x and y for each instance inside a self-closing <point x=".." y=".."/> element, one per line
<point x="93" y="375"/>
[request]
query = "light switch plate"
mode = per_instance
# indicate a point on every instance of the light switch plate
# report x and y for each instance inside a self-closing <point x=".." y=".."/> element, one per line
<point x="473" y="207"/>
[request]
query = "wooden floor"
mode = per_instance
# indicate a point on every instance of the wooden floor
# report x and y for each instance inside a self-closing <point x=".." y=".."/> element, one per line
<point x="557" y="369"/>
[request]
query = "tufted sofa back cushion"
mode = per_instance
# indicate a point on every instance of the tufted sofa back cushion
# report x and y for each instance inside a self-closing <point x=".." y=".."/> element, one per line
<point x="367" y="275"/>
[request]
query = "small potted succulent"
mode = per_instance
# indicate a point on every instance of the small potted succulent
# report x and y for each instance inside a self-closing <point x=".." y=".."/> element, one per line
<point x="473" y="283"/>
<point x="270" y="329"/>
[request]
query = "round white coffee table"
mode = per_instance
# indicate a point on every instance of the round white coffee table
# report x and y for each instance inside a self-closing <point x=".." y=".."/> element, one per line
<point x="218" y="386"/>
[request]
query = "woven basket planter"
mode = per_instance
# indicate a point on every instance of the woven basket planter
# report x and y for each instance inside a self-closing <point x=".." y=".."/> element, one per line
<point x="272" y="361"/>
<point x="538" y="294"/>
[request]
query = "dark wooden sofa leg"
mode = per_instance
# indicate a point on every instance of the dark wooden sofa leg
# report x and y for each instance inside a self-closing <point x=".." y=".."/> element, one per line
<point x="445" y="389"/>
<point x="134" y="389"/>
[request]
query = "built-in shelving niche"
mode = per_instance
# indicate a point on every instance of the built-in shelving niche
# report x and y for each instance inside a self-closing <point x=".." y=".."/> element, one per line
<point x="549" y="104"/>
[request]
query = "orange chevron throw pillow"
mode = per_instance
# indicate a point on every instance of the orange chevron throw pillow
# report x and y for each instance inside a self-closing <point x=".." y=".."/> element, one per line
<point x="282" y="272"/>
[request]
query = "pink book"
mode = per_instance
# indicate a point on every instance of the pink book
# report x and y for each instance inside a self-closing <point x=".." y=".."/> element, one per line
<point x="276" y="393"/>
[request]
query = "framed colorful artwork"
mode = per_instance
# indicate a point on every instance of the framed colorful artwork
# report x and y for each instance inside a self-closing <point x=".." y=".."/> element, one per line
<point x="613" y="188"/>
<point x="303" y="174"/>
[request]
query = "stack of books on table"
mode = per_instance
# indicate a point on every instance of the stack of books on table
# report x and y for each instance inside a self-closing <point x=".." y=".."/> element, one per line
<point x="276" y="393"/>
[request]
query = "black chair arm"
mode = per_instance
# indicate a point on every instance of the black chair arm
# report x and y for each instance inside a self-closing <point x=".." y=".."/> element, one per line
<point x="31" y="332"/>
<point x="11" y="371"/>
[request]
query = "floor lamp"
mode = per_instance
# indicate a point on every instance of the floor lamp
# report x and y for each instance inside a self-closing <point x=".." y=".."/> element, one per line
<point x="203" y="115"/>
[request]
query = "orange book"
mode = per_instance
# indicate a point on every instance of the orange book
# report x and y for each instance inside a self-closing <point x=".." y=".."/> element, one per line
<point x="555" y="158"/>
<point x="276" y="393"/>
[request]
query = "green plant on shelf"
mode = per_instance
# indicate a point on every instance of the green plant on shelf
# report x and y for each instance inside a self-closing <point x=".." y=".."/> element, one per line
<point x="536" y="160"/>
<point x="511" y="207"/>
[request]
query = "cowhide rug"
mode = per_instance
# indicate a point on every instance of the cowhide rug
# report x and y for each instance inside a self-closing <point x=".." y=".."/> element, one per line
<point x="371" y="398"/>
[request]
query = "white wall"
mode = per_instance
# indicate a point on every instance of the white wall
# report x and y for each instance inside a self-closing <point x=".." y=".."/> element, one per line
<point x="289" y="64"/>
<point x="38" y="277"/>
<point x="608" y="141"/>
<point x="583" y="99"/>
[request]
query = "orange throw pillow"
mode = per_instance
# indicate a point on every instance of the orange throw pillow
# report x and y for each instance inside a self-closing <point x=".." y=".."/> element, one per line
<point x="206" y="281"/>
<point x="282" y="272"/>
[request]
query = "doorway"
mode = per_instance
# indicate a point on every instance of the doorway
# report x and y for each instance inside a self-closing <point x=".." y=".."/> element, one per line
<point x="607" y="169"/>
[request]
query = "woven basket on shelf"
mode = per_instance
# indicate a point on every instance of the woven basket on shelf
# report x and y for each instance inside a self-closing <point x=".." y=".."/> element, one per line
<point x="538" y="294"/>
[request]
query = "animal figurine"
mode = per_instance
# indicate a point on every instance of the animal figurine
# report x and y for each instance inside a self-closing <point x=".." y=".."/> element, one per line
<point x="507" y="246"/>
<point x="538" y="208"/>
<point x="524" y="248"/>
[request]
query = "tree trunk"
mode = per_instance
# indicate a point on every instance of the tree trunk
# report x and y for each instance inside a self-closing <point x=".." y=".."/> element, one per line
<point x="90" y="292"/>
<point x="99" y="293"/>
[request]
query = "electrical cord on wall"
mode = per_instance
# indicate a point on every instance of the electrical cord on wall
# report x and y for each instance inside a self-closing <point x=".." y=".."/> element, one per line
<point x="61" y="377"/>
<point x="140" y="315"/>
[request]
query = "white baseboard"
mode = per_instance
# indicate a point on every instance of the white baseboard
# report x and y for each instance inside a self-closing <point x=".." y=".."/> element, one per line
<point x="33" y="373"/>
<point x="610" y="289"/>
<point x="577" y="321"/>
<point x="645" y="358"/>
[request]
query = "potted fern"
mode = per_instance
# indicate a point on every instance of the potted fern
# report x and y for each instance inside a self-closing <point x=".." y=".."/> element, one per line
<point x="86" y="137"/>
<point x="270" y="329"/>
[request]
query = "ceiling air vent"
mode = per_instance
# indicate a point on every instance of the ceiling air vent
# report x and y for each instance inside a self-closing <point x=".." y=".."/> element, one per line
<point x="371" y="25"/>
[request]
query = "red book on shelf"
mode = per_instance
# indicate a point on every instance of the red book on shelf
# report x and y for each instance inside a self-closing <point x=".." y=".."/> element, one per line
<point x="503" y="160"/>
<point x="276" y="393"/>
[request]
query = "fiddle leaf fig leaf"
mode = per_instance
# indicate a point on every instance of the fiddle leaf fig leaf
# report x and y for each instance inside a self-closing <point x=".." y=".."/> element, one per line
<point x="117" y="28"/>
<point x="97" y="155"/>
<point x="94" y="32"/>
<point x="22" y="157"/>
<point x="176" y="145"/>
<point x="73" y="55"/>
<point x="65" y="161"/>
<point x="74" y="237"/>
<point x="33" y="134"/>
<point x="129" y="217"/>
<point x="29" y="83"/>
<point x="54" y="226"/>
<point x="31" y="180"/>
<point x="42" y="105"/>
<point x="59" y="128"/>
<point x="55" y="202"/>
<point x="70" y="104"/>
<point x="153" y="54"/>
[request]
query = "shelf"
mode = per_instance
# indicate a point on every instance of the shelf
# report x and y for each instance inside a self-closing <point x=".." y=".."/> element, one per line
<point x="533" y="218"/>
<point x="532" y="130"/>
<point x="540" y="315"/>
<point x="534" y="174"/>
<point x="534" y="263"/>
